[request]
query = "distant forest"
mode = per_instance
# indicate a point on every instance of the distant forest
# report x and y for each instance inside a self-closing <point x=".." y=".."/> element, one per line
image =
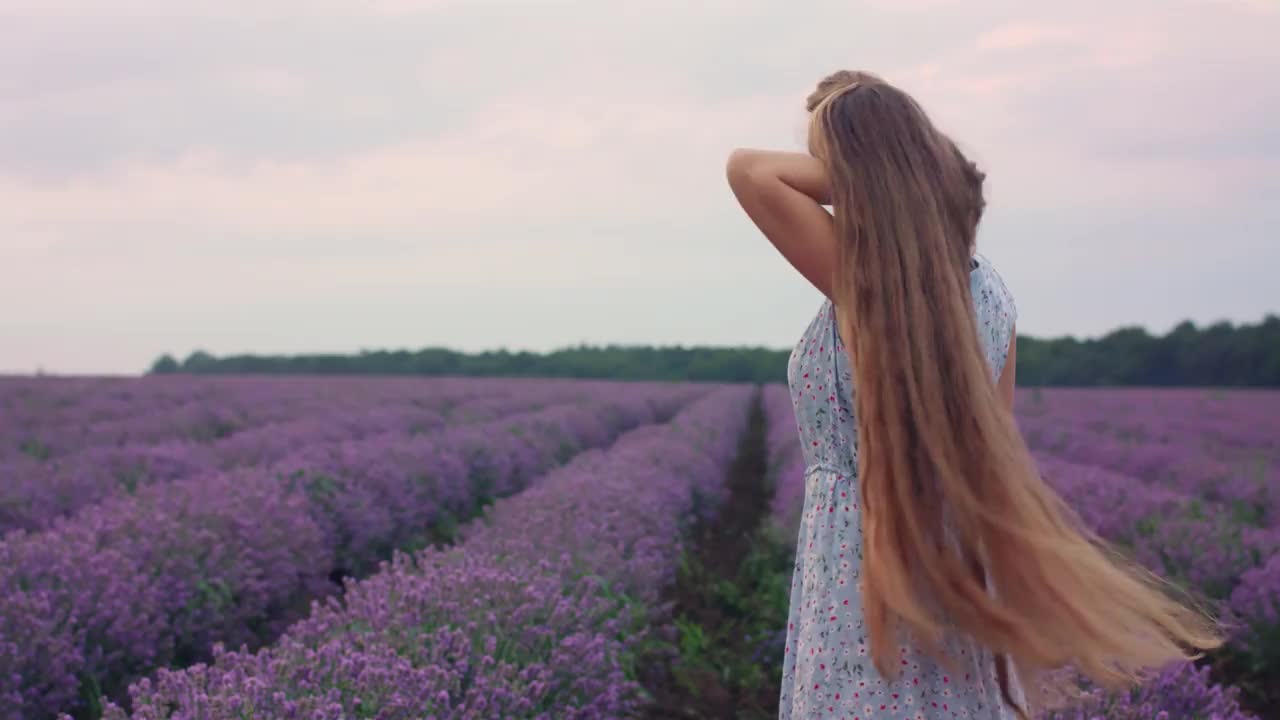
<point x="1217" y="355"/>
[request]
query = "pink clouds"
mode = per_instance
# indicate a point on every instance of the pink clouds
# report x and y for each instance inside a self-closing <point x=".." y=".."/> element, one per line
<point x="1053" y="103"/>
<point x="1022" y="35"/>
<point x="1035" y="98"/>
<point x="267" y="82"/>
<point x="518" y="162"/>
<point x="151" y="150"/>
<point x="569" y="137"/>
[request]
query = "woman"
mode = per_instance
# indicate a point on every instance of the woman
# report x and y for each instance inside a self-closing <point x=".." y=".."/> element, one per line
<point x="937" y="576"/>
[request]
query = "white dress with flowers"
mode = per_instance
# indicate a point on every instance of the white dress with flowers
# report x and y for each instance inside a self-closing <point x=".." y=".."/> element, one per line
<point x="827" y="668"/>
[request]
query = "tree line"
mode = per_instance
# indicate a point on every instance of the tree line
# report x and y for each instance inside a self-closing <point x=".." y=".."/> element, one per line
<point x="1220" y="354"/>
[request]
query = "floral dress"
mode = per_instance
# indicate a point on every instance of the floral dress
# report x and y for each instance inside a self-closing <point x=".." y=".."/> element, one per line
<point x="827" y="668"/>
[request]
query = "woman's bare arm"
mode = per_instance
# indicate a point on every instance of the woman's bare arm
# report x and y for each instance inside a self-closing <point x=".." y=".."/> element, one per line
<point x="783" y="194"/>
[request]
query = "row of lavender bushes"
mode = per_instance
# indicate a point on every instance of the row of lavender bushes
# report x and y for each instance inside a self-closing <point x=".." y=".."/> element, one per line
<point x="785" y="461"/>
<point x="156" y="578"/>
<point x="35" y="492"/>
<point x="1197" y="545"/>
<point x="50" y="418"/>
<point x="786" y="474"/>
<point x="1188" y="482"/>
<point x="538" y="612"/>
<point x="1225" y="423"/>
<point x="1220" y="447"/>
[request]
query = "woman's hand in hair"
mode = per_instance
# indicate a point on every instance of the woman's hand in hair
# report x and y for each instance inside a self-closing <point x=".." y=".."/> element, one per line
<point x="800" y="171"/>
<point x="783" y="194"/>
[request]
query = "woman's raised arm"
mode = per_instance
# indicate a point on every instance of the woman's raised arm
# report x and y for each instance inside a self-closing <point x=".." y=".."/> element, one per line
<point x="783" y="193"/>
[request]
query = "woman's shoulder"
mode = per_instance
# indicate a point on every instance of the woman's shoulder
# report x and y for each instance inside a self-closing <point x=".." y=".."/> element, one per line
<point x="990" y="292"/>
<point x="995" y="310"/>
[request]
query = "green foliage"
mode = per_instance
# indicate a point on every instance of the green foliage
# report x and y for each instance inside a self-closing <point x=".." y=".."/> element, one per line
<point x="35" y="449"/>
<point x="91" y="693"/>
<point x="610" y="362"/>
<point x="736" y="640"/>
<point x="165" y="364"/>
<point x="1220" y="355"/>
<point x="1217" y="355"/>
<point x="129" y="480"/>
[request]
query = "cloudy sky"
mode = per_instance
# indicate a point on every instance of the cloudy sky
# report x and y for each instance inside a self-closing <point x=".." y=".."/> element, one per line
<point x="315" y="175"/>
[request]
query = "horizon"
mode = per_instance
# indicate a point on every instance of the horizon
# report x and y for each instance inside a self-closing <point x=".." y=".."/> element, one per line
<point x="292" y="178"/>
<point x="181" y="357"/>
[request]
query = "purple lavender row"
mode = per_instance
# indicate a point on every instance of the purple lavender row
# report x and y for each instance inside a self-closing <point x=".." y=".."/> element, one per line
<point x="34" y="494"/>
<point x="375" y="495"/>
<point x="1180" y="692"/>
<point x="1194" y="543"/>
<point x="1191" y="522"/>
<point x="56" y="403"/>
<point x="782" y="436"/>
<point x="222" y="407"/>
<point x="156" y="578"/>
<point x="785" y="460"/>
<point x="1250" y="488"/>
<point x="484" y="400"/>
<point x="1199" y="546"/>
<point x="785" y="473"/>
<point x="1255" y="609"/>
<point x="538" y="613"/>
<point x="202" y="409"/>
<point x="41" y="402"/>
<point x="1226" y="422"/>
<point x="269" y="443"/>
<point x="48" y="421"/>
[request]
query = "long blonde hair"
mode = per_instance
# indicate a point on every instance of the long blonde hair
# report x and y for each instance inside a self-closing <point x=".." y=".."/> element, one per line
<point x="960" y="531"/>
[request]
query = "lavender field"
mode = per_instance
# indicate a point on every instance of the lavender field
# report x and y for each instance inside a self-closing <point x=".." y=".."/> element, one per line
<point x="148" y="522"/>
<point x="475" y="548"/>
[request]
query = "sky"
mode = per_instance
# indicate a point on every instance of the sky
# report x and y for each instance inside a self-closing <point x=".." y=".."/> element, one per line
<point x="294" y="176"/>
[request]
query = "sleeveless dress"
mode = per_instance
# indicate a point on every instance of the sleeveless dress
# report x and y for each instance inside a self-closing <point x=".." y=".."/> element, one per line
<point x="827" y="668"/>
